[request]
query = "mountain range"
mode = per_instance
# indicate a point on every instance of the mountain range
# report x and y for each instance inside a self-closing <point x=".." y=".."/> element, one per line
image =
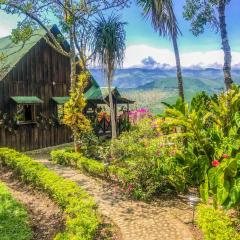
<point x="150" y="86"/>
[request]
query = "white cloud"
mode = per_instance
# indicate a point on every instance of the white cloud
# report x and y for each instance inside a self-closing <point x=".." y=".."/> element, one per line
<point x="136" y="53"/>
<point x="4" y="32"/>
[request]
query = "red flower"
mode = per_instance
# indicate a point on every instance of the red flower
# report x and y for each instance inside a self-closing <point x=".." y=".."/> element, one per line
<point x="225" y="155"/>
<point x="215" y="163"/>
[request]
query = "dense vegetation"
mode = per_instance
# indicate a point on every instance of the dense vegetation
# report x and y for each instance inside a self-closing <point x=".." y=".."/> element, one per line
<point x="14" y="221"/>
<point x="192" y="144"/>
<point x="215" y="224"/>
<point x="189" y="145"/>
<point x="82" y="220"/>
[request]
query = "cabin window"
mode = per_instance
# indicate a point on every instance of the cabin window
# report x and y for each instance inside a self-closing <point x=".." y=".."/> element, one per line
<point x="26" y="108"/>
<point x="25" y="113"/>
<point x="60" y="101"/>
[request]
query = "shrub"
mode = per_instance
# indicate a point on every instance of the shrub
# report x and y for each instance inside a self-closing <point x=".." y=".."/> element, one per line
<point x="74" y="159"/>
<point x="215" y="224"/>
<point x="80" y="209"/>
<point x="144" y="161"/>
<point x="90" y="166"/>
<point x="14" y="221"/>
<point x="152" y="158"/>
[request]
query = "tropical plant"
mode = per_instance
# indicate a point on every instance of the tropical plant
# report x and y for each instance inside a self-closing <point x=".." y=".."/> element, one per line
<point x="212" y="130"/>
<point x="204" y="12"/>
<point x="165" y="23"/>
<point x="109" y="46"/>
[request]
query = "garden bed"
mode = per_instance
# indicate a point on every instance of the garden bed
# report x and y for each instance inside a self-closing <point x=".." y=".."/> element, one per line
<point x="80" y="209"/>
<point x="45" y="217"/>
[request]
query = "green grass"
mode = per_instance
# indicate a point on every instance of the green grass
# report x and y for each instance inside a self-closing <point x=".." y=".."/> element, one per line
<point x="13" y="218"/>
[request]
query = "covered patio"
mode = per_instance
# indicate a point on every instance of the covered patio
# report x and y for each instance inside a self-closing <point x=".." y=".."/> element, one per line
<point x="97" y="100"/>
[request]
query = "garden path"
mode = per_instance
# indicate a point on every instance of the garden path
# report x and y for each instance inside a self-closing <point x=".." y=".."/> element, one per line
<point x="166" y="219"/>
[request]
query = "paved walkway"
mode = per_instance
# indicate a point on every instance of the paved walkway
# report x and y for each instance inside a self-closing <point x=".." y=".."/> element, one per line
<point x="163" y="220"/>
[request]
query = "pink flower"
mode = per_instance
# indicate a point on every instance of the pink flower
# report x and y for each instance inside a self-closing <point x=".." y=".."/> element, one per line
<point x="225" y="155"/>
<point x="215" y="163"/>
<point x="130" y="187"/>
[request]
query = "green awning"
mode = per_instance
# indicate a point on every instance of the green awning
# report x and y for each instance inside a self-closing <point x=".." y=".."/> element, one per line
<point x="26" y="100"/>
<point x="61" y="100"/>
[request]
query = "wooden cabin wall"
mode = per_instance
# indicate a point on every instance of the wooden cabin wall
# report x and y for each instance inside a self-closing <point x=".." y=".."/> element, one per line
<point x="44" y="73"/>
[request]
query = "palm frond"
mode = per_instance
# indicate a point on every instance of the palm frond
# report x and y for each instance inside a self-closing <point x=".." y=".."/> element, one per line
<point x="162" y="16"/>
<point x="109" y="41"/>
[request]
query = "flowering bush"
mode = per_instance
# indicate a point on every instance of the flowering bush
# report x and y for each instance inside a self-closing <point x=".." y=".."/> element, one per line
<point x="136" y="115"/>
<point x="151" y="159"/>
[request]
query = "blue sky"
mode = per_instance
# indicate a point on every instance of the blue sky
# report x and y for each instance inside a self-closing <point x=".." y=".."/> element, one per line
<point x="143" y="42"/>
<point x="140" y="31"/>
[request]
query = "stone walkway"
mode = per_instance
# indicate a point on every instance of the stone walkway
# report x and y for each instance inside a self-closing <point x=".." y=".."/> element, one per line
<point x="163" y="220"/>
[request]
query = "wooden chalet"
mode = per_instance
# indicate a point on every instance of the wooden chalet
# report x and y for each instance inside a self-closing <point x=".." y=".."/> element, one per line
<point x="34" y="85"/>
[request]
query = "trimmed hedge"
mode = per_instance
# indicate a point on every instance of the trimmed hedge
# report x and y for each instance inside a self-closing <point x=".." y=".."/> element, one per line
<point x="215" y="224"/>
<point x="90" y="166"/>
<point x="14" y="220"/>
<point x="82" y="220"/>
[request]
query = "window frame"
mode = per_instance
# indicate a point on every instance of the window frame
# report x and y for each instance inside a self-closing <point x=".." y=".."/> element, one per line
<point x="33" y="114"/>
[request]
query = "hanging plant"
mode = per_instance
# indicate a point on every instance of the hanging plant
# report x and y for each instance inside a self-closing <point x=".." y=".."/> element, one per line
<point x="9" y="124"/>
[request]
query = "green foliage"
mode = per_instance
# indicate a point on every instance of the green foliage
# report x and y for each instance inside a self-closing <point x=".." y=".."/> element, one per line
<point x="73" y="109"/>
<point x="151" y="159"/>
<point x="89" y="166"/>
<point x="65" y="157"/>
<point x="211" y="127"/>
<point x="22" y="34"/>
<point x="215" y="224"/>
<point x="200" y="13"/>
<point x="109" y="42"/>
<point x="162" y="16"/>
<point x="80" y="209"/>
<point x="223" y="182"/>
<point x="14" y="221"/>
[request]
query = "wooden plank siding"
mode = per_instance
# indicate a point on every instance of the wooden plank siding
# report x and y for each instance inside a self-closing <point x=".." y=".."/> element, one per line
<point x="44" y="73"/>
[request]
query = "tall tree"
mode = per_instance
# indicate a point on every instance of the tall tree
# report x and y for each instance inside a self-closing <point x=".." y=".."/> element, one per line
<point x="109" y="46"/>
<point x="165" y="23"/>
<point x="211" y="13"/>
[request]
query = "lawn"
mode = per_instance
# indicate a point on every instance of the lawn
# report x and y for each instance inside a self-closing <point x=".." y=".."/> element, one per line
<point x="14" y="221"/>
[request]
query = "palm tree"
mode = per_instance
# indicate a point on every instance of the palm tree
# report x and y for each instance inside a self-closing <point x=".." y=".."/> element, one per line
<point x="165" y="23"/>
<point x="109" y="47"/>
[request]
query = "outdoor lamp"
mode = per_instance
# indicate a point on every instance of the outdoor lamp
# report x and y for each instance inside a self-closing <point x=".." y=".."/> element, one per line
<point x="193" y="202"/>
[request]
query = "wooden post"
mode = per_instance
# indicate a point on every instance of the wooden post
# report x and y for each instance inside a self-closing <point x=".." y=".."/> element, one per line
<point x="115" y="111"/>
<point x="128" y="112"/>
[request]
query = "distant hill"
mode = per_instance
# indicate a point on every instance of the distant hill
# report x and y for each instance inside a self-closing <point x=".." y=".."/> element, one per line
<point x="149" y="87"/>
